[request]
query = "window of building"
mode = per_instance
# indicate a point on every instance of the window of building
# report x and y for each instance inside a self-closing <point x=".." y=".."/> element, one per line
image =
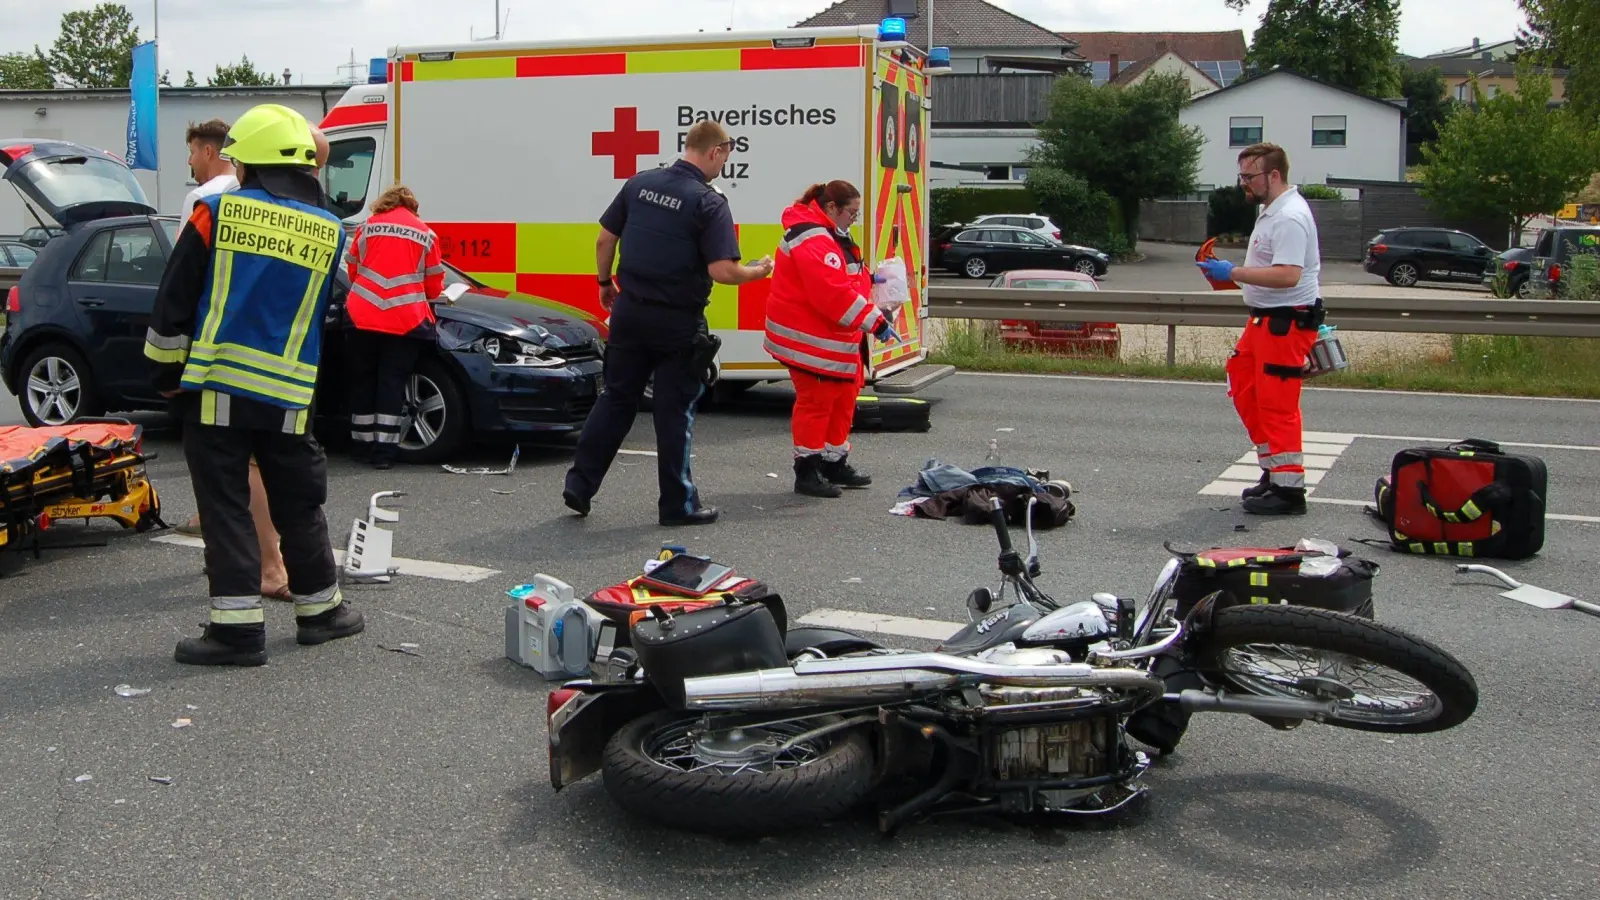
<point x="1244" y="131"/>
<point x="1327" y="131"/>
<point x="997" y="173"/>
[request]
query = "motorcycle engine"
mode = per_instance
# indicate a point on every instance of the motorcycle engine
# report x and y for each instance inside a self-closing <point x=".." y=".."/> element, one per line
<point x="1080" y="746"/>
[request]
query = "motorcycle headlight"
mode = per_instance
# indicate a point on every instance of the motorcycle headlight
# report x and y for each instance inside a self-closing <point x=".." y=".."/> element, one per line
<point x="508" y="351"/>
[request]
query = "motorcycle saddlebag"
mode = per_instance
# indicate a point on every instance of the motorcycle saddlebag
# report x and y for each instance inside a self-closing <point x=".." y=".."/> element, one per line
<point x="891" y="414"/>
<point x="718" y="640"/>
<point x="631" y="601"/>
<point x="1283" y="575"/>
<point x="1468" y="499"/>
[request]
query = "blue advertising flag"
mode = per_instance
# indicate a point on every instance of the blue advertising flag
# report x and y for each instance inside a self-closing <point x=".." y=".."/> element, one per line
<point x="143" y="152"/>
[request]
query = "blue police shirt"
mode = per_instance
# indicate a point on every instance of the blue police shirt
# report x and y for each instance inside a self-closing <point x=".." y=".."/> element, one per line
<point x="680" y="225"/>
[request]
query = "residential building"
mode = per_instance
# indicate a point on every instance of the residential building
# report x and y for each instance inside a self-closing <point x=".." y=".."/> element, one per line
<point x="1167" y="62"/>
<point x="99" y="118"/>
<point x="1504" y="51"/>
<point x="1217" y="54"/>
<point x="982" y="37"/>
<point x="1493" y="76"/>
<point x="1327" y="130"/>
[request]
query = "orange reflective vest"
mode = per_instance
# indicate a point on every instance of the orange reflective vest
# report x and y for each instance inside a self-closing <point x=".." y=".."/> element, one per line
<point x="396" y="267"/>
<point x="820" y="304"/>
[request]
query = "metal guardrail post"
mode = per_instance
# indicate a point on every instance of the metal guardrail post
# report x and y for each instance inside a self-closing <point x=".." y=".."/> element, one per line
<point x="1172" y="346"/>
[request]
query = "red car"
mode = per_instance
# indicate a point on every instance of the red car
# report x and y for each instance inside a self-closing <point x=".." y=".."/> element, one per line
<point x="1088" y="339"/>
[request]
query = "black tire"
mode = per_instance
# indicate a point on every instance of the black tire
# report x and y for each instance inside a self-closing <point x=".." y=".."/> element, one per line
<point x="85" y="398"/>
<point x="451" y="432"/>
<point x="746" y="803"/>
<point x="1404" y="274"/>
<point x="1454" y="692"/>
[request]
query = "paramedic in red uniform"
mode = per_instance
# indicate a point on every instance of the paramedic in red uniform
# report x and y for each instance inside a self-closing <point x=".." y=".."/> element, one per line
<point x="1279" y="281"/>
<point x="818" y="315"/>
<point x="396" y="267"/>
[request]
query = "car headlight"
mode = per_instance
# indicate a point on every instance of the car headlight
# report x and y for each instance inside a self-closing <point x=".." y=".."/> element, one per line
<point x="507" y="351"/>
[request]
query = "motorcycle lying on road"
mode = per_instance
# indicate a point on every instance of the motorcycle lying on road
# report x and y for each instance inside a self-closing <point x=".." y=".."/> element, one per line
<point x="721" y="720"/>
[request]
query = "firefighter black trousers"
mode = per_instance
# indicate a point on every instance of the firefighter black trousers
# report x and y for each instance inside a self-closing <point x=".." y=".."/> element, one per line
<point x="294" y="471"/>
<point x="380" y="367"/>
<point x="647" y="341"/>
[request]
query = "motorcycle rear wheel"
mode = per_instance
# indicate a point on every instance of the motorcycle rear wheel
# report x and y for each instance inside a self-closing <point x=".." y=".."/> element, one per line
<point x="1296" y="651"/>
<point x="656" y="768"/>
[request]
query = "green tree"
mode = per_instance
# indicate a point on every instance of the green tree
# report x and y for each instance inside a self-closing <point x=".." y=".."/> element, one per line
<point x="1427" y="108"/>
<point x="166" y="78"/>
<point x="24" y="72"/>
<point x="1124" y="142"/>
<point x="95" y="47"/>
<point x="1510" y="157"/>
<point x="1350" y="43"/>
<point x="240" y="74"/>
<point x="188" y="80"/>
<point x="1080" y="211"/>
<point x="1566" y="33"/>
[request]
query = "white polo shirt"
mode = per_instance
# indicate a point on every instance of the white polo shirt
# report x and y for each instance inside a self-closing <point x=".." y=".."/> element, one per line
<point x="218" y="185"/>
<point x="1285" y="235"/>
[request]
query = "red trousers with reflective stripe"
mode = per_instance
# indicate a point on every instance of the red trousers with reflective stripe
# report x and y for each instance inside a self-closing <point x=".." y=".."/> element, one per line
<point x="1269" y="405"/>
<point x="824" y="409"/>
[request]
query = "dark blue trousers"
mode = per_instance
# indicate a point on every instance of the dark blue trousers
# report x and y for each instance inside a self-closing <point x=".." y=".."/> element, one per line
<point x="646" y="340"/>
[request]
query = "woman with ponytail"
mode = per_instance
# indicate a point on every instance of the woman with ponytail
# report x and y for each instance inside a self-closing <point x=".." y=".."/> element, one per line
<point x="818" y="315"/>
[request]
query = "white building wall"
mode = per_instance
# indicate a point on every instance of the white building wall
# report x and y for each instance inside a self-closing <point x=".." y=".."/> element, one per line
<point x="976" y="147"/>
<point x="100" y="119"/>
<point x="1173" y="64"/>
<point x="970" y="60"/>
<point x="1374" y="143"/>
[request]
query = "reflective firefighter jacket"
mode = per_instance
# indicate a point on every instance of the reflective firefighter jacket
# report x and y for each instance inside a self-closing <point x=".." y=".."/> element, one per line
<point x="239" y="314"/>
<point x="819" y="306"/>
<point x="396" y="267"/>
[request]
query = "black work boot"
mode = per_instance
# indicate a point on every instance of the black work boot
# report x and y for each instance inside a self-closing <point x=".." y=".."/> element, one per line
<point x="808" y="478"/>
<point x="842" y="474"/>
<point x="225" y="645"/>
<point x="1262" y="486"/>
<point x="1277" y="501"/>
<point x="339" y="622"/>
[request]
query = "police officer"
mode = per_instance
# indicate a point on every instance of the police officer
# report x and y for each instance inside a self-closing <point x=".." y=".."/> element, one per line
<point x="677" y="237"/>
<point x="237" y="338"/>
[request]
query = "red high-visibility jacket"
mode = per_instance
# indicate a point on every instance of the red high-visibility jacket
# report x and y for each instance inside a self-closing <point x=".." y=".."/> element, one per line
<point x="820" y="304"/>
<point x="396" y="267"/>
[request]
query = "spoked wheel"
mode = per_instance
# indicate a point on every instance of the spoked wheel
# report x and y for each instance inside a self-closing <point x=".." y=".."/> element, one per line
<point x="691" y="773"/>
<point x="1379" y="677"/>
<point x="435" y="416"/>
<point x="1084" y="267"/>
<point x="1404" y="275"/>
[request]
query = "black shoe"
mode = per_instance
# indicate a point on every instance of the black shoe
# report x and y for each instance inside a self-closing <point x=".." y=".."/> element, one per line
<point x="1277" y="501"/>
<point x="579" y="505"/>
<point x="808" y="478"/>
<point x="225" y="645"/>
<point x="703" y="516"/>
<point x="841" y="473"/>
<point x="339" y="622"/>
<point x="1262" y="486"/>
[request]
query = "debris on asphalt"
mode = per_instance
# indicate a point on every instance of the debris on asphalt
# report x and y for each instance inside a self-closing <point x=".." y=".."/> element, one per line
<point x="1241" y="528"/>
<point x="118" y="802"/>
<point x="161" y="779"/>
<point x="182" y="723"/>
<point x="772" y="474"/>
<point x="125" y="690"/>
<point x="407" y="649"/>
<point x="513" y="490"/>
<point x="82" y="778"/>
<point x="994" y="450"/>
<point x="1005" y="430"/>
<point x="190" y="706"/>
<point x="852" y="581"/>
<point x="454" y="470"/>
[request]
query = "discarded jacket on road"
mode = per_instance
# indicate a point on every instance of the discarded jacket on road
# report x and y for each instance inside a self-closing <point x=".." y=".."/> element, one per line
<point x="944" y="491"/>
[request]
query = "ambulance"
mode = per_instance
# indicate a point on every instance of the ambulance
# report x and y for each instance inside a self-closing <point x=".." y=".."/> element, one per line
<point x="514" y="149"/>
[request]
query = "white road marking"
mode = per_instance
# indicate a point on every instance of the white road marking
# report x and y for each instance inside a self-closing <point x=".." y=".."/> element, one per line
<point x="420" y="568"/>
<point x="875" y="623"/>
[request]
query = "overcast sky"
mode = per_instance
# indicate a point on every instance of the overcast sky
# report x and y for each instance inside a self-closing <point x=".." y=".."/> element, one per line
<point x="314" y="37"/>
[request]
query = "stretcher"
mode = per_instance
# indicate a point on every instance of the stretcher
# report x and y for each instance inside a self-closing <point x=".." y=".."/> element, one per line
<point x="94" y="469"/>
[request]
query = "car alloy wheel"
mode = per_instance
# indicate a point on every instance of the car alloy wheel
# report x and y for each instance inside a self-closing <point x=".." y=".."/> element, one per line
<point x="54" y="390"/>
<point x="1084" y="267"/>
<point x="976" y="267"/>
<point x="1403" y="275"/>
<point x="427" y="414"/>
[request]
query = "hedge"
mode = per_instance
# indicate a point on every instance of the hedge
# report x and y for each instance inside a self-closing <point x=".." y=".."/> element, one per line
<point x="950" y="206"/>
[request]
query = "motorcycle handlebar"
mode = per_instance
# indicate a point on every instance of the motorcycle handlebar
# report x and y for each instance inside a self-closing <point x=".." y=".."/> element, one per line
<point x="997" y="517"/>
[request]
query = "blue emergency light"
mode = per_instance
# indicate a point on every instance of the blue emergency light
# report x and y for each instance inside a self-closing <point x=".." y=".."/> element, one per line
<point x="378" y="71"/>
<point x="939" y="60"/>
<point x="892" y="29"/>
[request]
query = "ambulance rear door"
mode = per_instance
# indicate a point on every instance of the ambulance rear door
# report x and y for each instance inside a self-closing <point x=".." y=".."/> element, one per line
<point x="896" y="196"/>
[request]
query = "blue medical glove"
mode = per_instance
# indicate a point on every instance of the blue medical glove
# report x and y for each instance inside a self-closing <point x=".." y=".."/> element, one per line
<point x="885" y="332"/>
<point x="1217" y="269"/>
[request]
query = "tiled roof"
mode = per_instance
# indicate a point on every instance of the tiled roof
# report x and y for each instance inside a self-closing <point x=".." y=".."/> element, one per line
<point x="1462" y="66"/>
<point x="1127" y="75"/>
<point x="956" y="24"/>
<point x="1099" y="46"/>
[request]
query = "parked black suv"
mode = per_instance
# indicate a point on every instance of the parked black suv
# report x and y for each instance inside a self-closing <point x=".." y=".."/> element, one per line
<point x="1406" y="256"/>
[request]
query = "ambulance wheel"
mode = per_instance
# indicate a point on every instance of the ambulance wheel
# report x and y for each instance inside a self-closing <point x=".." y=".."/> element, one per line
<point x="436" y="425"/>
<point x="57" y="386"/>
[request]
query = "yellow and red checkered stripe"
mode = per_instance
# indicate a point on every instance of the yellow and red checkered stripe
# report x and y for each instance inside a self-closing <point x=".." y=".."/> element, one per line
<point x="829" y="53"/>
<point x="899" y="217"/>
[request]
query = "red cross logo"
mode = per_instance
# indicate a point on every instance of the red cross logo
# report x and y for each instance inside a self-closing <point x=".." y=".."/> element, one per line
<point x="626" y="143"/>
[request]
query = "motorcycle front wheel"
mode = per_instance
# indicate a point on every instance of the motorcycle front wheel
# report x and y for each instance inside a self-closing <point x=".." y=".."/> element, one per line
<point x="1379" y="677"/>
<point x="682" y="772"/>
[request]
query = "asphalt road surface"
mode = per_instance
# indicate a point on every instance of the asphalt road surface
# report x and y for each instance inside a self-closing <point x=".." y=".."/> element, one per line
<point x="350" y="770"/>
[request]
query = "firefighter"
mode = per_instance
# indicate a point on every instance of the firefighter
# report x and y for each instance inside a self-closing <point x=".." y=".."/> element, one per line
<point x="817" y="315"/>
<point x="236" y="335"/>
<point x="1279" y="282"/>
<point x="677" y="238"/>
<point x="396" y="267"/>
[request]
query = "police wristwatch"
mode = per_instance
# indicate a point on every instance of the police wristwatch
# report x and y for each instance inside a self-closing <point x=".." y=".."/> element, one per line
<point x="606" y="281"/>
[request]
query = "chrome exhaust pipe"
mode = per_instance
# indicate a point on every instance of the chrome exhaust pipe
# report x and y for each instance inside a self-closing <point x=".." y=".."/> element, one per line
<point x="1193" y="701"/>
<point x="892" y="678"/>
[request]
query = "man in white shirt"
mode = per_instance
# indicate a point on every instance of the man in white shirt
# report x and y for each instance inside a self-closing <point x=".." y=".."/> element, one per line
<point x="206" y="164"/>
<point x="1279" y="282"/>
